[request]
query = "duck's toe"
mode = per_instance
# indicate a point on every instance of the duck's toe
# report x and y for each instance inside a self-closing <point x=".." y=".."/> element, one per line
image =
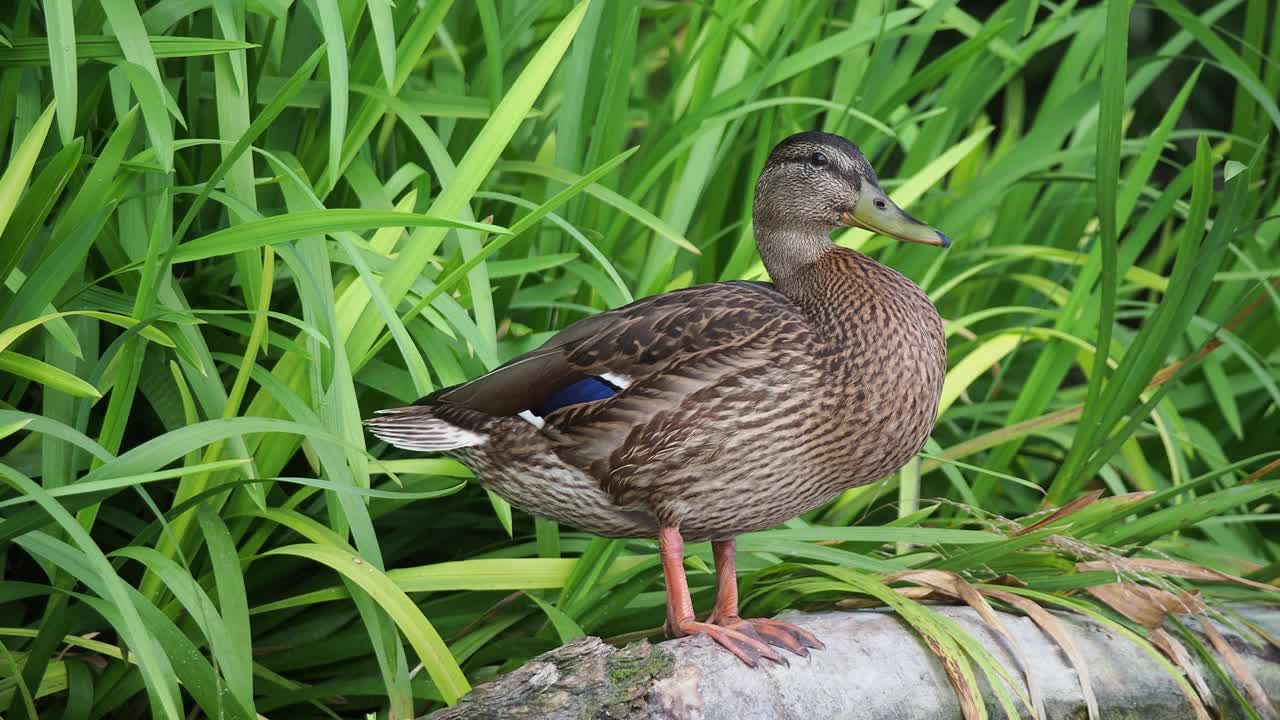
<point x="785" y="635"/>
<point x="774" y="632"/>
<point x="742" y="642"/>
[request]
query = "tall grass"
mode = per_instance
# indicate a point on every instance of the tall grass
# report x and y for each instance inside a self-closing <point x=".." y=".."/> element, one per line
<point x="229" y="231"/>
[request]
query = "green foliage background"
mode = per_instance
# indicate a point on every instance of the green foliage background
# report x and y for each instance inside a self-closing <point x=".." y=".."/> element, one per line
<point x="229" y="231"/>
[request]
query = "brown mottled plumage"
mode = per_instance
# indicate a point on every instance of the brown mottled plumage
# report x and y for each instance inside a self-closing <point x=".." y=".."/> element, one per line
<point x="735" y="406"/>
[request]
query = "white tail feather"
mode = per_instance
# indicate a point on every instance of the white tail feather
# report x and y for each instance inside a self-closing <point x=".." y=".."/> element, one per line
<point x="420" y="431"/>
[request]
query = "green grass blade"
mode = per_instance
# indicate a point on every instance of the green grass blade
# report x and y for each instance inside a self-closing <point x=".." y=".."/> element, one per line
<point x="155" y="667"/>
<point x="127" y="26"/>
<point x="335" y="38"/>
<point x="435" y="657"/>
<point x="384" y="33"/>
<point x="473" y="168"/>
<point x="61" y="30"/>
<point x="30" y="213"/>
<point x="15" y="177"/>
<point x="73" y="228"/>
<point x="28" y="52"/>
<point x="46" y="374"/>
<point x="282" y="228"/>
<point x="1110" y="133"/>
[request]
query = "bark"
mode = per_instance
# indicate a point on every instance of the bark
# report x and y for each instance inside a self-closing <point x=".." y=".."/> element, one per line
<point x="874" y="667"/>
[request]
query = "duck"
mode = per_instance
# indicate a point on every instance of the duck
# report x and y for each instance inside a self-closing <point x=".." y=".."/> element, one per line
<point x="719" y="409"/>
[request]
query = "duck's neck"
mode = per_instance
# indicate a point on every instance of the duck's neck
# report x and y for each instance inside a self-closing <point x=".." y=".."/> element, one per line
<point x="789" y="254"/>
<point x="844" y="292"/>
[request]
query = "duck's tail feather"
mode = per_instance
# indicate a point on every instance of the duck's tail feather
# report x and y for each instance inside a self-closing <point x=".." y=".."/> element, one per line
<point x="425" y="428"/>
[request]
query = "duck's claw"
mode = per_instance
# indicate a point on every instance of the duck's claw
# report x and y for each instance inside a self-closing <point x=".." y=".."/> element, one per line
<point x="743" y="641"/>
<point x="774" y="632"/>
<point x="783" y="635"/>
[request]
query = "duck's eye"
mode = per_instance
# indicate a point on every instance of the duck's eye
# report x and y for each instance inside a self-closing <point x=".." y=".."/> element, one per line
<point x="818" y="159"/>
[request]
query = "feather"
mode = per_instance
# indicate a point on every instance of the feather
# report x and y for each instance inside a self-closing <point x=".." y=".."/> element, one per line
<point x="617" y="380"/>
<point x="620" y="346"/>
<point x="421" y="431"/>
<point x="588" y="389"/>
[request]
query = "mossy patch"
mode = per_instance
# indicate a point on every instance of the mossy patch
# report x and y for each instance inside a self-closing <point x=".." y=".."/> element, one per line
<point x="633" y="669"/>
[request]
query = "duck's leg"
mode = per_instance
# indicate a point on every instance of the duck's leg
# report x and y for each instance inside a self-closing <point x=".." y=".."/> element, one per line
<point x="680" y="618"/>
<point x="774" y="632"/>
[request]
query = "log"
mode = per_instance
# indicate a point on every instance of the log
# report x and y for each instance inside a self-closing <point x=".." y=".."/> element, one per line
<point x="874" y="667"/>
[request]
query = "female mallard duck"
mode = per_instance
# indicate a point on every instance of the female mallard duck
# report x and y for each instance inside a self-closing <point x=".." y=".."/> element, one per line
<point x="719" y="409"/>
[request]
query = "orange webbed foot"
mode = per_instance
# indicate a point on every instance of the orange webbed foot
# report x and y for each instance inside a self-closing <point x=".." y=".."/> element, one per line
<point x="774" y="632"/>
<point x="744" y="642"/>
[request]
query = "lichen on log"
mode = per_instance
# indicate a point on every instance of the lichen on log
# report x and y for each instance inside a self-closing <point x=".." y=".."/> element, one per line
<point x="583" y="679"/>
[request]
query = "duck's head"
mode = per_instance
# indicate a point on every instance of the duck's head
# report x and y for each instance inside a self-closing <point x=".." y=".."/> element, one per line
<point x="815" y="182"/>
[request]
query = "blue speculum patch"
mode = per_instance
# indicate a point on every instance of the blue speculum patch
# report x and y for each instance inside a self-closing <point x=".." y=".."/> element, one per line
<point x="585" y="390"/>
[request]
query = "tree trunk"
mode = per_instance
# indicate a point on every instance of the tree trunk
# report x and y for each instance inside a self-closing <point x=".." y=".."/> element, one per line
<point x="873" y="668"/>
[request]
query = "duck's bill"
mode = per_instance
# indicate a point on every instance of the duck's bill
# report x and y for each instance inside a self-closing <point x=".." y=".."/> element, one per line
<point x="877" y="213"/>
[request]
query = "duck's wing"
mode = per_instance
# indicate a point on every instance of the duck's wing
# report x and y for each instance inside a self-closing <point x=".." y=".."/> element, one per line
<point x="691" y="409"/>
<point x="622" y="345"/>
